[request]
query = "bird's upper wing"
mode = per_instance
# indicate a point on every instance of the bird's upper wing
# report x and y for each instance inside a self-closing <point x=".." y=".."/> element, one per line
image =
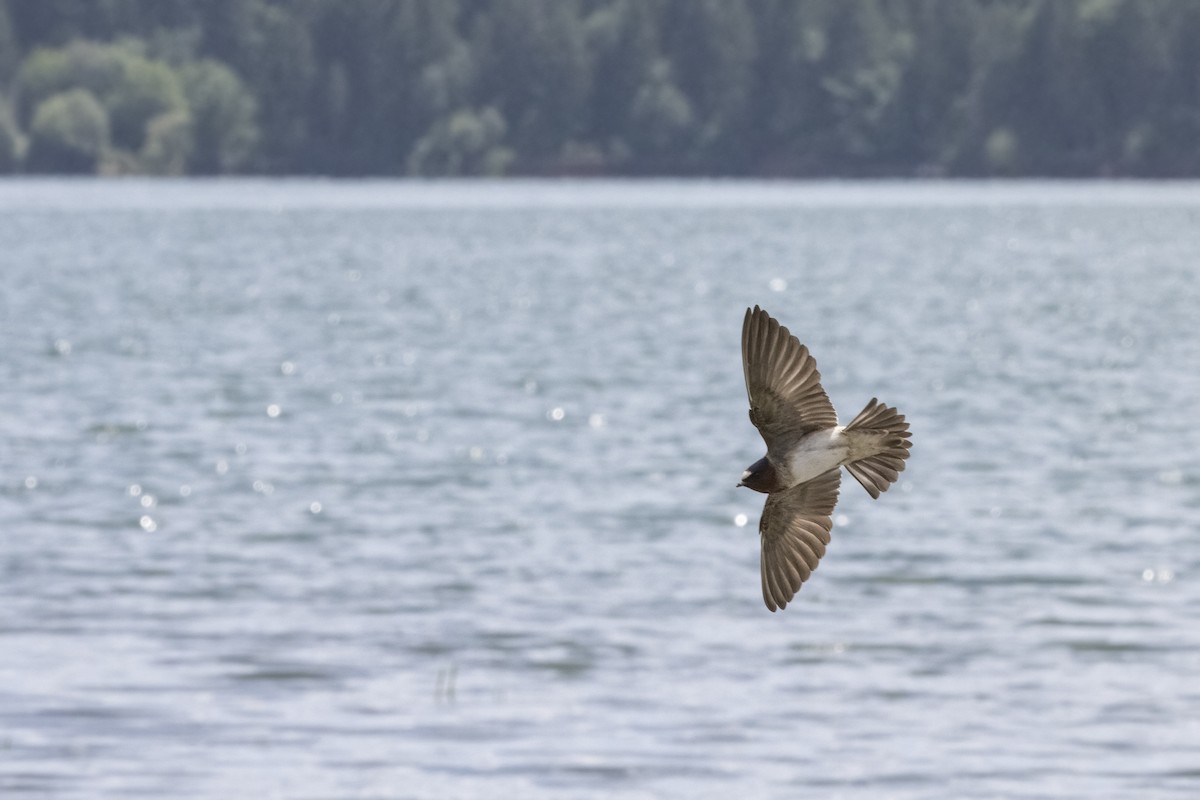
<point x="782" y="381"/>
<point x="795" y="528"/>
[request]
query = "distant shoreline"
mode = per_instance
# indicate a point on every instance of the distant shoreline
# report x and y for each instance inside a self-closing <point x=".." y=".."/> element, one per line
<point x="804" y="90"/>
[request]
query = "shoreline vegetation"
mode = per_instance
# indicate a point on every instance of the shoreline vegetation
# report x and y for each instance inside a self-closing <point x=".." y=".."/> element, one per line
<point x="606" y="88"/>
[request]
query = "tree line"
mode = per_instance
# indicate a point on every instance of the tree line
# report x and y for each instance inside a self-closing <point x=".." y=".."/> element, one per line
<point x="622" y="87"/>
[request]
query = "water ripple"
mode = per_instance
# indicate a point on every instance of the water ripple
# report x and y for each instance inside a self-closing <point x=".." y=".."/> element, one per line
<point x="402" y="490"/>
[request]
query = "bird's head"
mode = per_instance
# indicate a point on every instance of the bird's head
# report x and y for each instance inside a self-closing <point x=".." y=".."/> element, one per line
<point x="759" y="476"/>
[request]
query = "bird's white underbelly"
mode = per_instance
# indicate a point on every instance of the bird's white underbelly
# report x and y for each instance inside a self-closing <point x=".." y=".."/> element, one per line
<point x="817" y="453"/>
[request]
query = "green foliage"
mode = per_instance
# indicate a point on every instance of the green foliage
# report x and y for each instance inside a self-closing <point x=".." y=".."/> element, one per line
<point x="622" y="42"/>
<point x="168" y="144"/>
<point x="763" y="87"/>
<point x="145" y="91"/>
<point x="80" y="65"/>
<point x="9" y="141"/>
<point x="69" y="133"/>
<point x="1001" y="152"/>
<point x="535" y="71"/>
<point x="466" y="143"/>
<point x="662" y="119"/>
<point x="712" y="48"/>
<point x="8" y="47"/>
<point x="223" y="118"/>
<point x="132" y="89"/>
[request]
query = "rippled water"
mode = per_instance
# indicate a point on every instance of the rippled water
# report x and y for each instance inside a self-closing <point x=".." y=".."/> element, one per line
<point x="327" y="490"/>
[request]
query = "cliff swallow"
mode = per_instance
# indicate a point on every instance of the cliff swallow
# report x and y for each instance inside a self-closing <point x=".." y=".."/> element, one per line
<point x="806" y="449"/>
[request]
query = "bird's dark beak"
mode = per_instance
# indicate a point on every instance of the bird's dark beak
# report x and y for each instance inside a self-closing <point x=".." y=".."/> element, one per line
<point x="745" y="475"/>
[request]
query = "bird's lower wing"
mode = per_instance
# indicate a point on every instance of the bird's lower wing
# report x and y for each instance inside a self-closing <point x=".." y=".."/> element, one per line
<point x="795" y="529"/>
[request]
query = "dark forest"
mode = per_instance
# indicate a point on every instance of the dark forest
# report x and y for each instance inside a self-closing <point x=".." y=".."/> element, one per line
<point x="768" y="88"/>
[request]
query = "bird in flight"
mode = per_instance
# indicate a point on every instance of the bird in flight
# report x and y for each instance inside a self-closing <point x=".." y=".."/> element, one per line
<point x="806" y="449"/>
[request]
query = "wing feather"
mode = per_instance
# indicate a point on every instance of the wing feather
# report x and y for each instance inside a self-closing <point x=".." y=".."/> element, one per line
<point x="795" y="530"/>
<point x="782" y="382"/>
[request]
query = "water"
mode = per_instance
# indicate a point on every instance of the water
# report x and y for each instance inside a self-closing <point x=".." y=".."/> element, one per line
<point x="324" y="490"/>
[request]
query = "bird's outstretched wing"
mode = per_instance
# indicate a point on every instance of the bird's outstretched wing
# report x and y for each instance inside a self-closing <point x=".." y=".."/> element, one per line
<point x="782" y="382"/>
<point x="795" y="528"/>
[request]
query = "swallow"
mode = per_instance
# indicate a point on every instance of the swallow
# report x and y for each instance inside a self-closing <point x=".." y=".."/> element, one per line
<point x="806" y="450"/>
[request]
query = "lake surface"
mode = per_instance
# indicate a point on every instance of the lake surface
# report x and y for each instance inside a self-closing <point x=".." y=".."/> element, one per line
<point x="403" y="490"/>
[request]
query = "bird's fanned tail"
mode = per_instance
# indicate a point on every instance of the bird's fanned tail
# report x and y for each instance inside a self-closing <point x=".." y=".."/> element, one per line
<point x="879" y="442"/>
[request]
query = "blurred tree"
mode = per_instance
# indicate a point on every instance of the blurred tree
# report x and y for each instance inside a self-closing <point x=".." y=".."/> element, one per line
<point x="133" y="89"/>
<point x="53" y="23"/>
<point x="791" y="87"/>
<point x="331" y="128"/>
<point x="713" y="48"/>
<point x="10" y="141"/>
<point x="465" y="143"/>
<point x="996" y="91"/>
<point x="168" y="144"/>
<point x="1123" y="54"/>
<point x="389" y="68"/>
<point x="1076" y="84"/>
<point x="1171" y="141"/>
<point x="534" y="69"/>
<point x="662" y="124"/>
<point x="144" y="90"/>
<point x="927" y="116"/>
<point x="56" y="22"/>
<point x="793" y="111"/>
<point x="271" y="48"/>
<point x="1001" y="152"/>
<point x="47" y="72"/>
<point x="175" y="46"/>
<point x="622" y="40"/>
<point x="1182" y="32"/>
<point x="222" y="112"/>
<point x="1064" y="109"/>
<point x="69" y="133"/>
<point x="9" y="49"/>
<point x="445" y="82"/>
<point x="871" y="49"/>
